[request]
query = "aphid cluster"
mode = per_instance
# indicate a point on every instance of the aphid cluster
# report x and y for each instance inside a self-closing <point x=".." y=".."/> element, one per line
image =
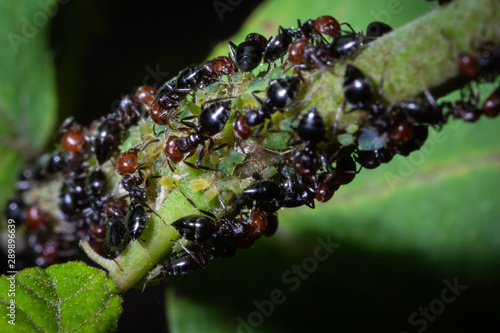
<point x="183" y="127"/>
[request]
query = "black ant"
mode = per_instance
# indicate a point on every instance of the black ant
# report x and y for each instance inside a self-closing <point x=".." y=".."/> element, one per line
<point x="358" y="89"/>
<point x="218" y="237"/>
<point x="491" y="105"/>
<point x="124" y="226"/>
<point x="108" y="132"/>
<point x="248" y="54"/>
<point x="377" y="29"/>
<point x="296" y="193"/>
<point x="116" y="238"/>
<point x="420" y="133"/>
<point x="465" y="109"/>
<point x="345" y="170"/>
<point x="75" y="143"/>
<point x="126" y="166"/>
<point x="74" y="139"/>
<point x="311" y="130"/>
<point x="185" y="262"/>
<point x="345" y="45"/>
<point x="326" y="188"/>
<point x="173" y="92"/>
<point x="423" y="111"/>
<point x="217" y="67"/>
<point x="371" y="159"/>
<point x="277" y="46"/>
<point x="211" y="121"/>
<point x="279" y="95"/>
<point x="273" y="196"/>
<point x="327" y="25"/>
<point x="303" y="55"/>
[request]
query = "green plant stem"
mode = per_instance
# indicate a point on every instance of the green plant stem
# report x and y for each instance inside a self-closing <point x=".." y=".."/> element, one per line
<point x="421" y="55"/>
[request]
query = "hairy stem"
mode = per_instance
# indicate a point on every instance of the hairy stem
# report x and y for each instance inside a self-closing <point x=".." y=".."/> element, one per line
<point x="421" y="55"/>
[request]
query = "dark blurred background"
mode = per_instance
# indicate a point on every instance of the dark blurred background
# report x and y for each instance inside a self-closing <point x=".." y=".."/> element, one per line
<point x="105" y="49"/>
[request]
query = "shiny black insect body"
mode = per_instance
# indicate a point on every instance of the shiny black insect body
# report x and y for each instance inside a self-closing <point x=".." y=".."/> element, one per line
<point x="211" y="121"/>
<point x="420" y="133"/>
<point x="422" y="111"/>
<point x="196" y="228"/>
<point x="311" y="130"/>
<point x="345" y="170"/>
<point x="296" y="194"/>
<point x="189" y="78"/>
<point x="214" y="69"/>
<point x="263" y="191"/>
<point x="185" y="262"/>
<point x="116" y="237"/>
<point x="248" y="54"/>
<point x="108" y="132"/>
<point x="106" y="140"/>
<point x="135" y="221"/>
<point x="95" y="184"/>
<point x="169" y="97"/>
<point x="377" y="29"/>
<point x="345" y="45"/>
<point x="272" y="196"/>
<point x="219" y="237"/>
<point x="278" y="45"/>
<point x="279" y="95"/>
<point x="174" y="91"/>
<point x="358" y="89"/>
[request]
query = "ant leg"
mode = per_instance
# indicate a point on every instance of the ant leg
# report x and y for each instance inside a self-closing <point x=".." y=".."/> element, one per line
<point x="318" y="62"/>
<point x="150" y="209"/>
<point x="212" y="149"/>
<point x="350" y="27"/>
<point x="257" y="98"/>
<point x="257" y="131"/>
<point x="220" y="198"/>
<point x="170" y="166"/>
<point x="334" y="132"/>
<point x="194" y="205"/>
<point x="200" y="156"/>
<point x="149" y="142"/>
<point x="116" y="262"/>
<point x="197" y="166"/>
<point x="194" y="166"/>
<point x="144" y="248"/>
<point x="241" y="146"/>
<point x="65" y="124"/>
<point x="109" y="255"/>
<point x="232" y="51"/>
<point x="202" y="264"/>
<point x="216" y="100"/>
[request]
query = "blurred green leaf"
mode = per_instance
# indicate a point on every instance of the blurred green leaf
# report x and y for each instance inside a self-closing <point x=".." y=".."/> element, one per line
<point x="71" y="297"/>
<point x="403" y="229"/>
<point x="27" y="85"/>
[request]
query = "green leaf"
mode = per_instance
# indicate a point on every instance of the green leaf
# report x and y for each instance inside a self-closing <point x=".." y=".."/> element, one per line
<point x="27" y="85"/>
<point x="71" y="297"/>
